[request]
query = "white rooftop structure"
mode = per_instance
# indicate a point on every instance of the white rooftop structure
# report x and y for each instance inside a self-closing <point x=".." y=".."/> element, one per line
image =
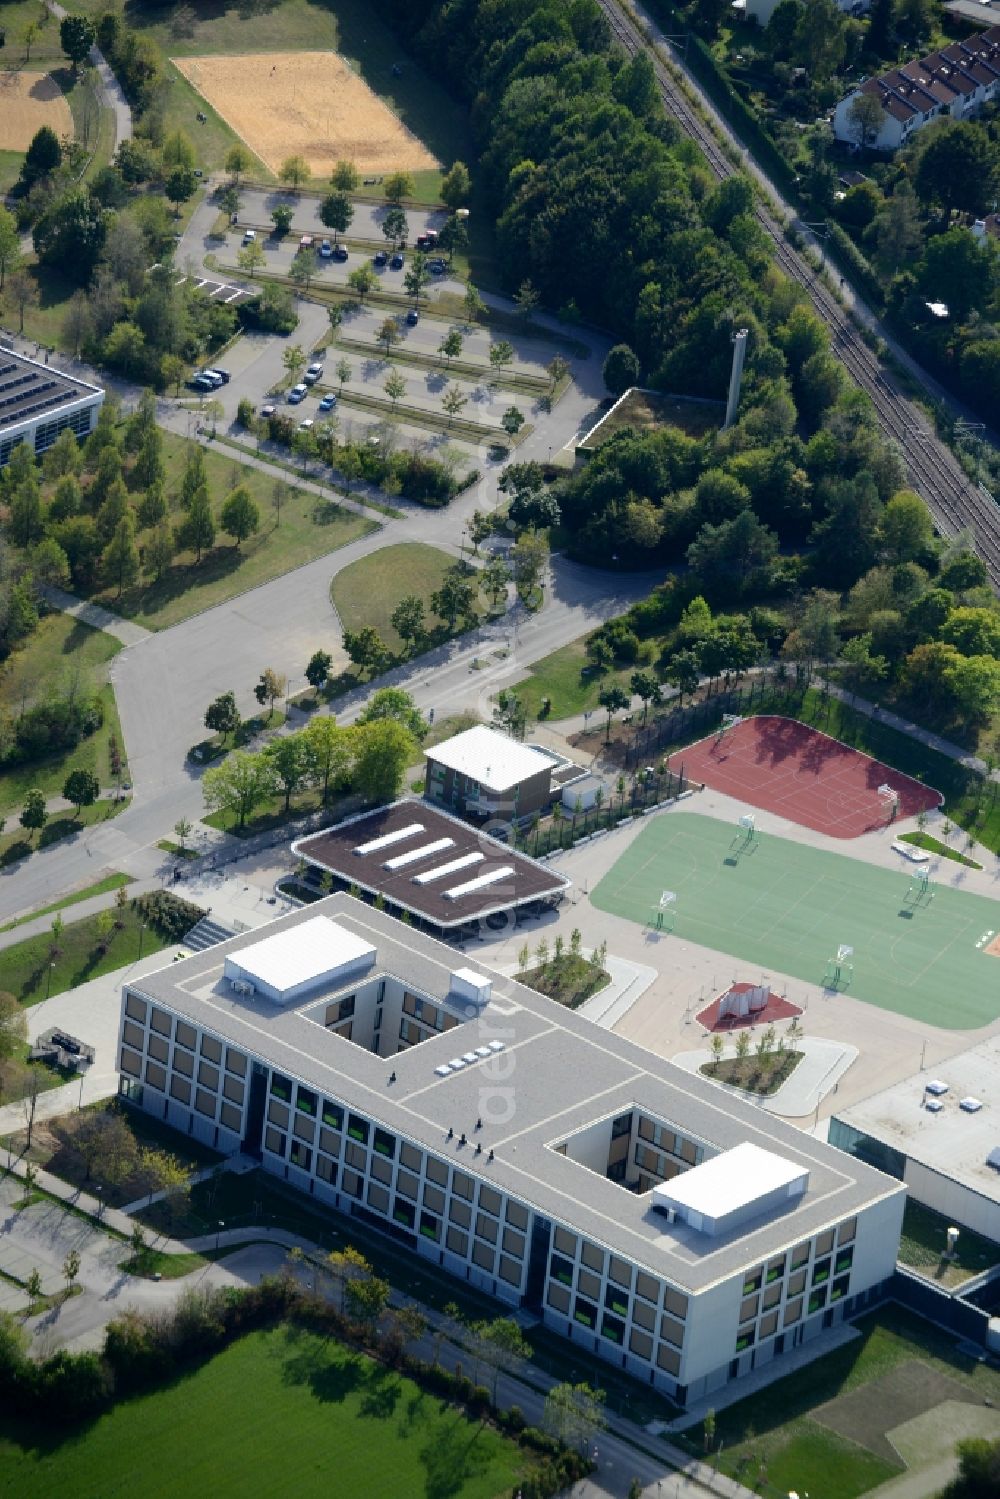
<point x="489" y="757"/>
<point x="300" y="958"/>
<point x="731" y="1187"/>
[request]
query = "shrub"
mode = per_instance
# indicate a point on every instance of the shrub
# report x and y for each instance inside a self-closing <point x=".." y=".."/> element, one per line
<point x="167" y="913"/>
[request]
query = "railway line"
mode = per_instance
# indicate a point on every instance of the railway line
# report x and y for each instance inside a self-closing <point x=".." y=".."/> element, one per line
<point x="955" y="503"/>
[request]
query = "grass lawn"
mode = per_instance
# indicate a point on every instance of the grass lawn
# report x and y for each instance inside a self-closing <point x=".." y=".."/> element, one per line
<point x="786" y="906"/>
<point x="150" y="1263"/>
<point x="827" y="1451"/>
<point x="25" y="967"/>
<point x="923" y="1243"/>
<point x="935" y="846"/>
<point x="347" y="26"/>
<point x="367" y="592"/>
<point x="569" y="980"/>
<point x="19" y="844"/>
<point x="566" y="680"/>
<point x="309" y="527"/>
<point x="283" y="1411"/>
<point x="753" y="1076"/>
<point x="58" y="654"/>
<point x="99" y="887"/>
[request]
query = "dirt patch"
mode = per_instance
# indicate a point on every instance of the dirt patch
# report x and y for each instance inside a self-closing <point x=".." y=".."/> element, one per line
<point x="992" y="949"/>
<point x="27" y="102"/>
<point x="908" y="1390"/>
<point x="305" y="104"/>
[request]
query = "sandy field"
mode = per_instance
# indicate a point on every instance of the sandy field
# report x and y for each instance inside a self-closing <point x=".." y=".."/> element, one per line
<point x="27" y="102"/>
<point x="305" y="104"/>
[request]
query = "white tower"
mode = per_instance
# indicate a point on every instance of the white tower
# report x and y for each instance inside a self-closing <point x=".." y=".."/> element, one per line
<point x="739" y="355"/>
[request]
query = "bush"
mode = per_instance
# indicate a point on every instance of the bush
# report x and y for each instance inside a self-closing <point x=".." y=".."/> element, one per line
<point x="245" y="414"/>
<point x="167" y="913"/>
<point x="52" y="728"/>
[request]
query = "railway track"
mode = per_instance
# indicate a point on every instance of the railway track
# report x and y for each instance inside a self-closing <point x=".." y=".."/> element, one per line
<point x="955" y="503"/>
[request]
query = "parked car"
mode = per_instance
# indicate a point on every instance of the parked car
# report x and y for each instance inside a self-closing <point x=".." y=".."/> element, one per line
<point x="213" y="377"/>
<point x="328" y="402"/>
<point x="413" y="317"/>
<point x="249" y="235"/>
<point x="437" y="266"/>
<point x="325" y="249"/>
<point x="340" y="252"/>
<point x="312" y="374"/>
<point x="224" y="375"/>
<point x="428" y="240"/>
<point x="201" y="383"/>
<point x="306" y="425"/>
<point x="380" y="259"/>
<point x="268" y="410"/>
<point x="306" y="242"/>
<point x="297" y="393"/>
<point x="396" y="263"/>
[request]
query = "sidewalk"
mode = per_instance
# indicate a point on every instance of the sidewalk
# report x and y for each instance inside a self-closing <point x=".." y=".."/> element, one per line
<point x="913" y="730"/>
<point x="40" y="925"/>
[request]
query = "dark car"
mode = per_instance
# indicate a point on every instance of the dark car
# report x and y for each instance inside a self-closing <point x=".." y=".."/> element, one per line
<point x="201" y="383"/>
<point x="224" y="375"/>
<point x="396" y="263"/>
<point x="340" y="252"/>
<point x="437" y="266"/>
<point x="380" y="258"/>
<point x="413" y="317"/>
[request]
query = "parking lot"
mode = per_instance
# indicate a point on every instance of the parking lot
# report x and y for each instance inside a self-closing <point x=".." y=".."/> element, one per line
<point x="257" y="205"/>
<point x="221" y="291"/>
<point x="281" y="252"/>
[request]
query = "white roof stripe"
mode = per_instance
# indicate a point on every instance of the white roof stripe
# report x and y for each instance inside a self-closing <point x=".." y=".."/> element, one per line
<point x="423" y="852"/>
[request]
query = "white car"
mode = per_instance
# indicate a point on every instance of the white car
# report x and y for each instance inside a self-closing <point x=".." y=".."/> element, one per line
<point x="297" y="393"/>
<point x="249" y="236"/>
<point x="312" y="374"/>
<point x="307" y="425"/>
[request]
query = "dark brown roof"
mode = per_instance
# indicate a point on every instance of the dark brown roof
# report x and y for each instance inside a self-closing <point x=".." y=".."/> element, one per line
<point x="334" y="849"/>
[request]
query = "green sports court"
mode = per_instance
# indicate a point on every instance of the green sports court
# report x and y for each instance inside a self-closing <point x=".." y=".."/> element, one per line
<point x="785" y="907"/>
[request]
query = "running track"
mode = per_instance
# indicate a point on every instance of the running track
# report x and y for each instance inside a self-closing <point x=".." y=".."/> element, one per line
<point x="783" y="766"/>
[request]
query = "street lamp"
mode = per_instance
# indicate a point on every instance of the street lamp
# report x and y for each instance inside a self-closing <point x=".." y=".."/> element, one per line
<point x="48" y="979"/>
<point x="100" y="1202"/>
<point x="218" y="1233"/>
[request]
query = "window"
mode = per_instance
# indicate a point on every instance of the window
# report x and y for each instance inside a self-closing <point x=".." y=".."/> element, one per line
<point x="385" y="1144"/>
<point x="671" y="1331"/>
<point x="136" y="1008"/>
<point x="407" y="1185"/>
<point x="646" y="1286"/>
<point x="775" y="1271"/>
<point x="745" y="1339"/>
<point x="433" y="1198"/>
<point x="641" y="1344"/>
<point x="278" y="1114"/>
<point x="561" y="1270"/>
<point x="351" y="1183"/>
<point x="274" y="1141"/>
<point x="232" y="1089"/>
<point x="620" y="1272"/>
<point x="771" y="1297"/>
<point x="412" y="1159"/>
<point x="130" y="1062"/>
<point x="510" y="1270"/>
<point x="621" y="1126"/>
<point x="748" y="1308"/>
<point x="458" y="1242"/>
<point x="180" y="1090"/>
<point x="460" y="1213"/>
<point x="817" y="1301"/>
<point x="158" y="1048"/>
<point x="304" y="1129"/>
<point x="381" y="1170"/>
<point x="281" y="1087"/>
<point x="183" y="1062"/>
<point x="489" y="1200"/>
<point x="462" y="1185"/>
<point x="516" y="1215"/>
<point x="613" y="1329"/>
<point x="160" y="1021"/>
<point x="185" y="1035"/>
<point x="753" y="1282"/>
<point x="305" y="1102"/>
<point x="565" y="1243"/>
<point x="430" y="1226"/>
<point x="793" y="1311"/>
<point x="800" y="1255"/>
<point x="326" y="1169"/>
<point x="134" y="1035"/>
<point x="211" y="1048"/>
<point x="824" y="1242"/>
<point x="329" y="1141"/>
<point x="840" y="1288"/>
<point x="585" y="1313"/>
<point x="356" y="1156"/>
<point x="378" y="1198"/>
<point x="514" y="1243"/>
<point x="300" y="1155"/>
<point x="847" y="1231"/>
<point x="404" y="1213"/>
<point x="208" y="1076"/>
<point x="483" y="1255"/>
<point x="769" y="1325"/>
<point x="643" y="1315"/>
<point x="844" y="1261"/>
<point x="231" y="1117"/>
<point x="797" y="1283"/>
<point x="332" y="1115"/>
<point x="593" y="1257"/>
<point x="487" y="1227"/>
<point x="589" y="1284"/>
<point x="156" y="1076"/>
<point x="675" y="1303"/>
<point x="205" y="1103"/>
<point x="235" y="1060"/>
<point x="558" y="1298"/>
<point x="668" y="1359"/>
<point x="821" y="1272"/>
<point x="357" y="1128"/>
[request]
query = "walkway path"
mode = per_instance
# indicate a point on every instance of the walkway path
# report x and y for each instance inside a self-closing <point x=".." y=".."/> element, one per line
<point x="110" y="90"/>
<point x="927" y="737"/>
<point x="94" y="616"/>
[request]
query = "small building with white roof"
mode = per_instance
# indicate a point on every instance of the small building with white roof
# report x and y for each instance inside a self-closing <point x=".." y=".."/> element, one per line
<point x="482" y="773"/>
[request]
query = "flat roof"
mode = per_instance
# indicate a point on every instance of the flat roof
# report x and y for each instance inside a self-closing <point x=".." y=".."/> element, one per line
<point x="561" y="1074"/>
<point x="493" y="759"/>
<point x="29" y="389"/>
<point x="316" y="947"/>
<point x="922" y="1116"/>
<point x="430" y="863"/>
<point x="728" y="1182"/>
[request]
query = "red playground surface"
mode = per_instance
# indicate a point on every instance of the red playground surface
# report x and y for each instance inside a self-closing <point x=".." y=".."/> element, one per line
<point x="777" y="1008"/>
<point x="784" y="766"/>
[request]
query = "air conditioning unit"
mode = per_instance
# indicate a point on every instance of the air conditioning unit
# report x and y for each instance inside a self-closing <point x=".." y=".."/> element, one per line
<point x="244" y="987"/>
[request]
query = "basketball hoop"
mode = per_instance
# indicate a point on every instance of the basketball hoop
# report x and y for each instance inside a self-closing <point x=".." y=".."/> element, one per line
<point x="889" y="797"/>
<point x="729" y="722"/>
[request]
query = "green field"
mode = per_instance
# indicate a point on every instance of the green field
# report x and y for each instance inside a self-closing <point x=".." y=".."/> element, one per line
<point x="367" y="592"/>
<point x="28" y="971"/>
<point x="785" y="906"/>
<point x="283" y="1412"/>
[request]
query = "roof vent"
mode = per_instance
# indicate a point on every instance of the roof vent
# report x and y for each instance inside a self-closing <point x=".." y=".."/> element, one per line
<point x="936" y="1087"/>
<point x="970" y="1105"/>
<point x="933" y="1106"/>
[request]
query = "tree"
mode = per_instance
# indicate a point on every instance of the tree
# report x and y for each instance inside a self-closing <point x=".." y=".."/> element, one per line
<point x="866" y="118"/>
<point x="49" y="563"/>
<point x="343" y="373"/>
<point x="510" y="714"/>
<point x="183" y="828"/>
<point x="82" y="788"/>
<point x="239" y="784"/>
<point x="450" y="346"/>
<point x="417" y="277"/>
<point x="613" y="700"/>
<point x="501" y="354"/>
<point x="512" y="421"/>
<point x="318" y="669"/>
<point x="366" y="1300"/>
<point x="294" y="170"/>
<point x="526" y="299"/>
<point x="972" y="631"/>
<point x="456" y="598"/>
<point x="362" y="280"/>
<point x="237" y="161"/>
<point x="33" y="815"/>
<point x="336" y="211"/>
<point x="120" y="558"/>
<point x="240" y="515"/>
<point x="282" y="218"/>
<point x="502" y="1345"/>
<point x="493" y="580"/>
<point x="159" y="551"/>
<point x="388" y="334"/>
<point x="955" y="267"/>
<point x="453" y="402"/>
<point x="179" y="186"/>
<point x="395" y="388"/>
<point x="395" y="703"/>
<point x="71" y="1269"/>
<point x="294" y="360"/>
<point x="10" y="244"/>
<point x="13" y="1026"/>
<point x="978" y="1470"/>
<point x="907" y="531"/>
<point x="407" y="619"/>
<point x="394" y="226"/>
<point x="196" y="532"/>
<point x="717" y="1046"/>
<point x="473" y="305"/>
<point x="957" y="168"/>
<point x="366" y="648"/>
<point x="43" y="156"/>
<point x="303" y="268"/>
<point x="289" y="756"/>
<point x="25" y="513"/>
<point x="270" y="687"/>
<point x="382" y="752"/>
<point x="76" y="37"/>
<point x="735" y="556"/>
<point x="645" y="686"/>
<point x="557" y="369"/>
<point x="223" y="716"/>
<point x="345" y="177"/>
<point x="251" y="257"/>
<point x="398" y="185"/>
<point x="345" y="1266"/>
<point x="329" y="750"/>
<point x="621" y="369"/>
<point x="22" y="292"/>
<point x="178" y="150"/>
<point x="572" y="1414"/>
<point x="456" y="185"/>
<point x="528" y="558"/>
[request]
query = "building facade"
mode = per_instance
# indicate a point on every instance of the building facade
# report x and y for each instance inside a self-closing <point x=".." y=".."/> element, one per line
<point x="38" y="403"/>
<point x="954" y="83"/>
<point x="483" y="774"/>
<point x="511" y="1143"/>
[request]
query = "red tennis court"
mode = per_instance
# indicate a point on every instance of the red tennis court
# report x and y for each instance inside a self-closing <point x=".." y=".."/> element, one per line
<point x="784" y="766"/>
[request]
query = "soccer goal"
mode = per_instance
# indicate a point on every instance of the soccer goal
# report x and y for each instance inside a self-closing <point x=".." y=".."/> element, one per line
<point x="920" y="891"/>
<point x="664" y="913"/>
<point x="889" y="798"/>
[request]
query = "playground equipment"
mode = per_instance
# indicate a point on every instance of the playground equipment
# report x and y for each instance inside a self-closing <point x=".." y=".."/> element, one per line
<point x="739" y="1005"/>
